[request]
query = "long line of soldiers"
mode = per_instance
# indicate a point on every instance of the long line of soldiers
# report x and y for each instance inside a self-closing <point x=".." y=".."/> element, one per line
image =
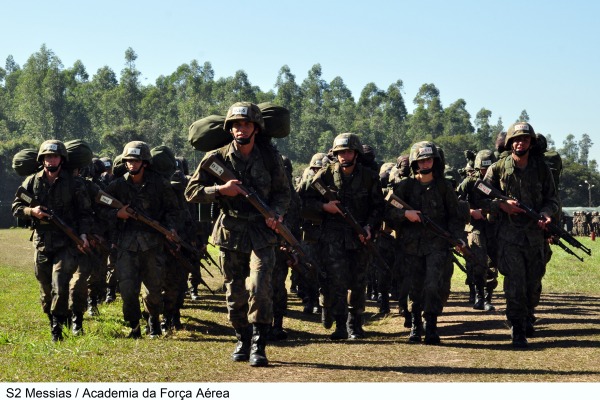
<point x="584" y="223"/>
<point x="346" y="208"/>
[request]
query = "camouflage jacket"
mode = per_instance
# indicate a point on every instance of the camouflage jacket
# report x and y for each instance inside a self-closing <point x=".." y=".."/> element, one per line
<point x="154" y="198"/>
<point x="67" y="197"/>
<point x="533" y="186"/>
<point x="360" y="193"/>
<point x="240" y="226"/>
<point x="436" y="200"/>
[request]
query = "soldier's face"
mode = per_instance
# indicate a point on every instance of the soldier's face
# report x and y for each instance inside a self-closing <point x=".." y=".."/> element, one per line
<point x="52" y="160"/>
<point x="243" y="131"/>
<point x="346" y="156"/>
<point x="425" y="164"/>
<point x="521" y="143"/>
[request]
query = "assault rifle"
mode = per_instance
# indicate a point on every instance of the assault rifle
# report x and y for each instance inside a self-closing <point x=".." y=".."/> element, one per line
<point x="108" y="200"/>
<point x="320" y="186"/>
<point x="436" y="229"/>
<point x="304" y="266"/>
<point x="54" y="219"/>
<point x="554" y="229"/>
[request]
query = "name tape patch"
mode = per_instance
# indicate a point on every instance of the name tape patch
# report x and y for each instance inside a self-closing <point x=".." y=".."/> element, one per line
<point x="486" y="163"/>
<point x="133" y="151"/>
<point x="396" y="204"/>
<point x="522" y="127"/>
<point x="216" y="169"/>
<point x="239" y="111"/>
<point x="105" y="200"/>
<point x="52" y="147"/>
<point x="320" y="188"/>
<point x="26" y="198"/>
<point x="341" y="142"/>
<point x="484" y="189"/>
<point x="425" y="151"/>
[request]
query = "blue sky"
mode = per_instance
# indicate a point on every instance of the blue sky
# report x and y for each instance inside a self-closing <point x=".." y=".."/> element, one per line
<point x="506" y="56"/>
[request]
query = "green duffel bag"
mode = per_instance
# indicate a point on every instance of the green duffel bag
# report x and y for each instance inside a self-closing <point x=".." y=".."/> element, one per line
<point x="277" y="120"/>
<point x="163" y="161"/>
<point x="119" y="167"/>
<point x="207" y="134"/>
<point x="80" y="154"/>
<point x="25" y="162"/>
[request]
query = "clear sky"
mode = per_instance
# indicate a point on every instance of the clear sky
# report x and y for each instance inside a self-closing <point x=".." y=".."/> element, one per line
<point x="505" y="56"/>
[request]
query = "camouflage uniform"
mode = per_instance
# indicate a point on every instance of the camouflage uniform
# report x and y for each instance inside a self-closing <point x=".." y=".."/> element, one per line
<point x="139" y="246"/>
<point x="521" y="242"/>
<point x="426" y="253"/>
<point x="342" y="255"/>
<point x="246" y="242"/>
<point x="56" y="255"/>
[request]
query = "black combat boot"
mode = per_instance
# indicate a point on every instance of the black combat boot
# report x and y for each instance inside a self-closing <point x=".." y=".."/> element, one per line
<point x="242" y="347"/>
<point x="136" y="330"/>
<point x="384" y="305"/>
<point x="529" y="328"/>
<point x="258" y="356"/>
<point x="92" y="309"/>
<point x="154" y="327"/>
<point x="431" y="335"/>
<point x="519" y="340"/>
<point x="57" y="327"/>
<point x="176" y="321"/>
<point x="471" y="293"/>
<point x="416" y="328"/>
<point x="167" y="322"/>
<point x="277" y="332"/>
<point x="487" y="305"/>
<point x="341" y="332"/>
<point x="77" y="323"/>
<point x="326" y="317"/>
<point x="355" y="326"/>
<point x="478" y="304"/>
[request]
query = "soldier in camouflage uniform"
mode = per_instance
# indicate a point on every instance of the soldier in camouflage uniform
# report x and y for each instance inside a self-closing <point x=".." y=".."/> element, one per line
<point x="481" y="236"/>
<point x="521" y="241"/>
<point x="139" y="246"/>
<point x="247" y="240"/>
<point x="311" y="231"/>
<point x="56" y="255"/>
<point x="595" y="222"/>
<point x="429" y="193"/>
<point x="343" y="255"/>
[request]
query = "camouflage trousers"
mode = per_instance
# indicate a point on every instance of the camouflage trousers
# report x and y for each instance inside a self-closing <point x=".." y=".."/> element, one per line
<point x="523" y="268"/>
<point x="344" y="287"/>
<point x="249" y="290"/>
<point x="429" y="281"/>
<point x="54" y="270"/>
<point x="384" y="278"/>
<point x="174" y="284"/>
<point x="280" y="272"/>
<point x="135" y="268"/>
<point x="482" y="275"/>
<point x="97" y="280"/>
<point x="78" y="288"/>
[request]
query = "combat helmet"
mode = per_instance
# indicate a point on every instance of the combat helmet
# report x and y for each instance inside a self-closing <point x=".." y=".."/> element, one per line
<point x="53" y="147"/>
<point x="484" y="159"/>
<point x="244" y="111"/>
<point x="137" y="150"/>
<point x="317" y="160"/>
<point x="347" y="141"/>
<point x="519" y="129"/>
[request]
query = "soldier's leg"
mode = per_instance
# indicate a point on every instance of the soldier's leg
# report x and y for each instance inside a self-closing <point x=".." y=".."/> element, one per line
<point x="111" y="276"/>
<point x="357" y="294"/>
<point x="433" y="298"/>
<point x="417" y="274"/>
<point x="512" y="266"/>
<point x="279" y="276"/>
<point x="151" y="273"/>
<point x="127" y="267"/>
<point x="477" y="245"/>
<point x="79" y="292"/>
<point x="43" y="272"/>
<point x="536" y="269"/>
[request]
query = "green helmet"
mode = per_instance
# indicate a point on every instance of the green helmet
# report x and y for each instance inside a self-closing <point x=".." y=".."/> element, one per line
<point x="137" y="150"/>
<point x="52" y="147"/>
<point x="484" y="159"/>
<point x="244" y="111"/>
<point x="519" y="129"/>
<point x="422" y="151"/>
<point x="317" y="160"/>
<point x="347" y="141"/>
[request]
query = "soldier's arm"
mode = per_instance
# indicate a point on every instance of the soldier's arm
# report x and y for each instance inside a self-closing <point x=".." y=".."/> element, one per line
<point x="201" y="188"/>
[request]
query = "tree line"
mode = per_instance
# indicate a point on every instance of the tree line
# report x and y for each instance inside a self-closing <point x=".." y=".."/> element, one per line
<point x="43" y="99"/>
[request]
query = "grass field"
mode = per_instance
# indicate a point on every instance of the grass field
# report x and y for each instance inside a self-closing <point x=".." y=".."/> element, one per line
<point x="475" y="345"/>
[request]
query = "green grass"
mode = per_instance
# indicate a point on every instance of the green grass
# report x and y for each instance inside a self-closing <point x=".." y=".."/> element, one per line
<point x="475" y="345"/>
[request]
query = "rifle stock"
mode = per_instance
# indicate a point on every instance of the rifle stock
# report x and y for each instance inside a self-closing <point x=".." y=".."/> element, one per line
<point x="215" y="167"/>
<point x="320" y="186"/>
<point x="552" y="227"/>
<point x="54" y="219"/>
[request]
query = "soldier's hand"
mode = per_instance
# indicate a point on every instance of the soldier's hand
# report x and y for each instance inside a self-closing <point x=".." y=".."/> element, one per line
<point x="413" y="215"/>
<point x="364" y="239"/>
<point x="332" y="207"/>
<point x="461" y="246"/>
<point x="544" y="221"/>
<point x="476" y="214"/>
<point x="172" y="236"/>
<point x="272" y="222"/>
<point x="86" y="244"/>
<point x="230" y="188"/>
<point x="39" y="212"/>
<point x="511" y="207"/>
<point x="122" y="213"/>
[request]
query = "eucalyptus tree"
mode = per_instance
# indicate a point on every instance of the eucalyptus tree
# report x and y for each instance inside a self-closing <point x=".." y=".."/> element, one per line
<point x="395" y="140"/>
<point x="288" y="95"/>
<point x="483" y="130"/>
<point x="40" y="96"/>
<point x="78" y="105"/>
<point x="369" y="122"/>
<point x="584" y="148"/>
<point x="340" y="110"/>
<point x="570" y="149"/>
<point x="457" y="120"/>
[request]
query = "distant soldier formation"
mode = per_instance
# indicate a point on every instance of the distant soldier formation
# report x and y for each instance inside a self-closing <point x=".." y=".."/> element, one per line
<point x="350" y="229"/>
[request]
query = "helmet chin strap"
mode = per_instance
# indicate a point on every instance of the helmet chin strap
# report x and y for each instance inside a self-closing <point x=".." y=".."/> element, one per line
<point x="520" y="152"/>
<point x="53" y="169"/>
<point x="136" y="171"/>
<point x="242" y="140"/>
<point x="425" y="171"/>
